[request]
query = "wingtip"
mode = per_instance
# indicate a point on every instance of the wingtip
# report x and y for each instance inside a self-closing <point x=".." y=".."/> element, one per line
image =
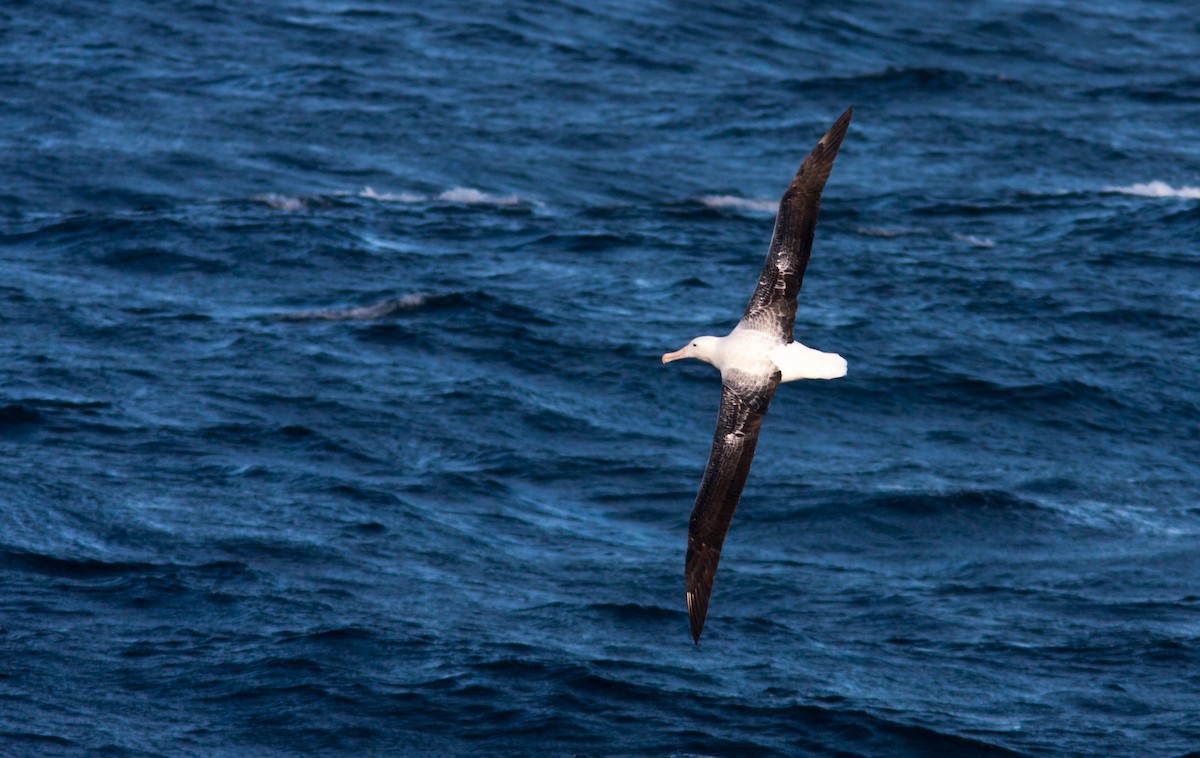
<point x="695" y="617"/>
<point x="838" y="130"/>
<point x="847" y="115"/>
<point x="815" y="169"/>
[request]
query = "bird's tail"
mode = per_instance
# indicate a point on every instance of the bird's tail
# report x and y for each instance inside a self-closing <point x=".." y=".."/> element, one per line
<point x="796" y="361"/>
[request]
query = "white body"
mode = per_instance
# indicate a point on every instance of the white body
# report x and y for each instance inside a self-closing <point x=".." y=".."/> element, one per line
<point x="756" y="353"/>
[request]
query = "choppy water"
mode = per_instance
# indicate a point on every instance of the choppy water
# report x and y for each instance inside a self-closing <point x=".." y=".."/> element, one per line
<point x="332" y="421"/>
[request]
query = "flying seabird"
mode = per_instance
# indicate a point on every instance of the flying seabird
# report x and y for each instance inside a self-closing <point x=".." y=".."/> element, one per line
<point x="754" y="358"/>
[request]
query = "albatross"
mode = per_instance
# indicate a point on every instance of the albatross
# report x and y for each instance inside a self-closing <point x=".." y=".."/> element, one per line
<point x="758" y="355"/>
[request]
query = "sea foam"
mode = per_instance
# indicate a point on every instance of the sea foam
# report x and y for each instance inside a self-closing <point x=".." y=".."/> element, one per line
<point x="392" y="197"/>
<point x="471" y="196"/>
<point x="1157" y="189"/>
<point x="282" y="202"/>
<point x="361" y="313"/>
<point x="972" y="240"/>
<point x="464" y="195"/>
<point x="740" y="203"/>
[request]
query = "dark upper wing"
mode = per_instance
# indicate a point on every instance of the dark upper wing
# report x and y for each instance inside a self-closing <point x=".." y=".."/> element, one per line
<point x="738" y="424"/>
<point x="773" y="306"/>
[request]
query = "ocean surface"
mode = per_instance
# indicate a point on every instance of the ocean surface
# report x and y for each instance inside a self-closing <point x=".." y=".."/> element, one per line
<point x="332" y="419"/>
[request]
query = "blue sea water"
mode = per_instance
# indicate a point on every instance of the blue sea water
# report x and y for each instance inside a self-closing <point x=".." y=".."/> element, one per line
<point x="332" y="419"/>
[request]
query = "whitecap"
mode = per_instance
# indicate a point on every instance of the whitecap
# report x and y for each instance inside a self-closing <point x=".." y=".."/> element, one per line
<point x="1157" y="189"/>
<point x="971" y="239"/>
<point x="282" y="202"/>
<point x="361" y="313"/>
<point x="471" y="196"/>
<point x="464" y="195"/>
<point x="881" y="231"/>
<point x="740" y="203"/>
<point x="392" y="197"/>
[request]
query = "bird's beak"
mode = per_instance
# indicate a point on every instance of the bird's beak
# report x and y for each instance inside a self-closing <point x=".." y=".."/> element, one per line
<point x="680" y="353"/>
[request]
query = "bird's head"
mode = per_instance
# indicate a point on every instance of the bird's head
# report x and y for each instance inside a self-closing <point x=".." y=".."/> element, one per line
<point x="703" y="348"/>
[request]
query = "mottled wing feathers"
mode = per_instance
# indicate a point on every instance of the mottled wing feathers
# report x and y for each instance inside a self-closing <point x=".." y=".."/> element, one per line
<point x="738" y="423"/>
<point x="773" y="306"/>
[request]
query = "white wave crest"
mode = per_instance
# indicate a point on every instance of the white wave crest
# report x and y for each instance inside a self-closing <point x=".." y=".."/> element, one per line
<point x="362" y="313"/>
<point x="464" y="195"/>
<point x="1157" y="189"/>
<point x="971" y="239"/>
<point x="392" y="197"/>
<point x="470" y="196"/>
<point x="282" y="202"/>
<point x="740" y="203"/>
<point x="881" y="231"/>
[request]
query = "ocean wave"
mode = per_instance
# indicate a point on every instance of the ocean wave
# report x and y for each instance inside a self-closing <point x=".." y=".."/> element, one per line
<point x="459" y="195"/>
<point x="283" y="202"/>
<point x="18" y="415"/>
<point x="1050" y="403"/>
<point x="80" y="567"/>
<point x="854" y="505"/>
<point x="1157" y="189"/>
<point x="35" y="738"/>
<point x="913" y="503"/>
<point x="75" y="568"/>
<point x="972" y="240"/>
<point x="361" y="313"/>
<point x="879" y="231"/>
<point x="626" y="613"/>
<point x="163" y="260"/>
<point x="392" y="197"/>
<point x="895" y="78"/>
<point x="890" y="232"/>
<point x="739" y="203"/>
<point x="333" y="634"/>
<point x="1063" y="393"/>
<point x="455" y="195"/>
<point x="736" y="725"/>
<point x="469" y="196"/>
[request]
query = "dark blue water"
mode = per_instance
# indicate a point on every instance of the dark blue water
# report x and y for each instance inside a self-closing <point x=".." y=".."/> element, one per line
<point x="332" y="419"/>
